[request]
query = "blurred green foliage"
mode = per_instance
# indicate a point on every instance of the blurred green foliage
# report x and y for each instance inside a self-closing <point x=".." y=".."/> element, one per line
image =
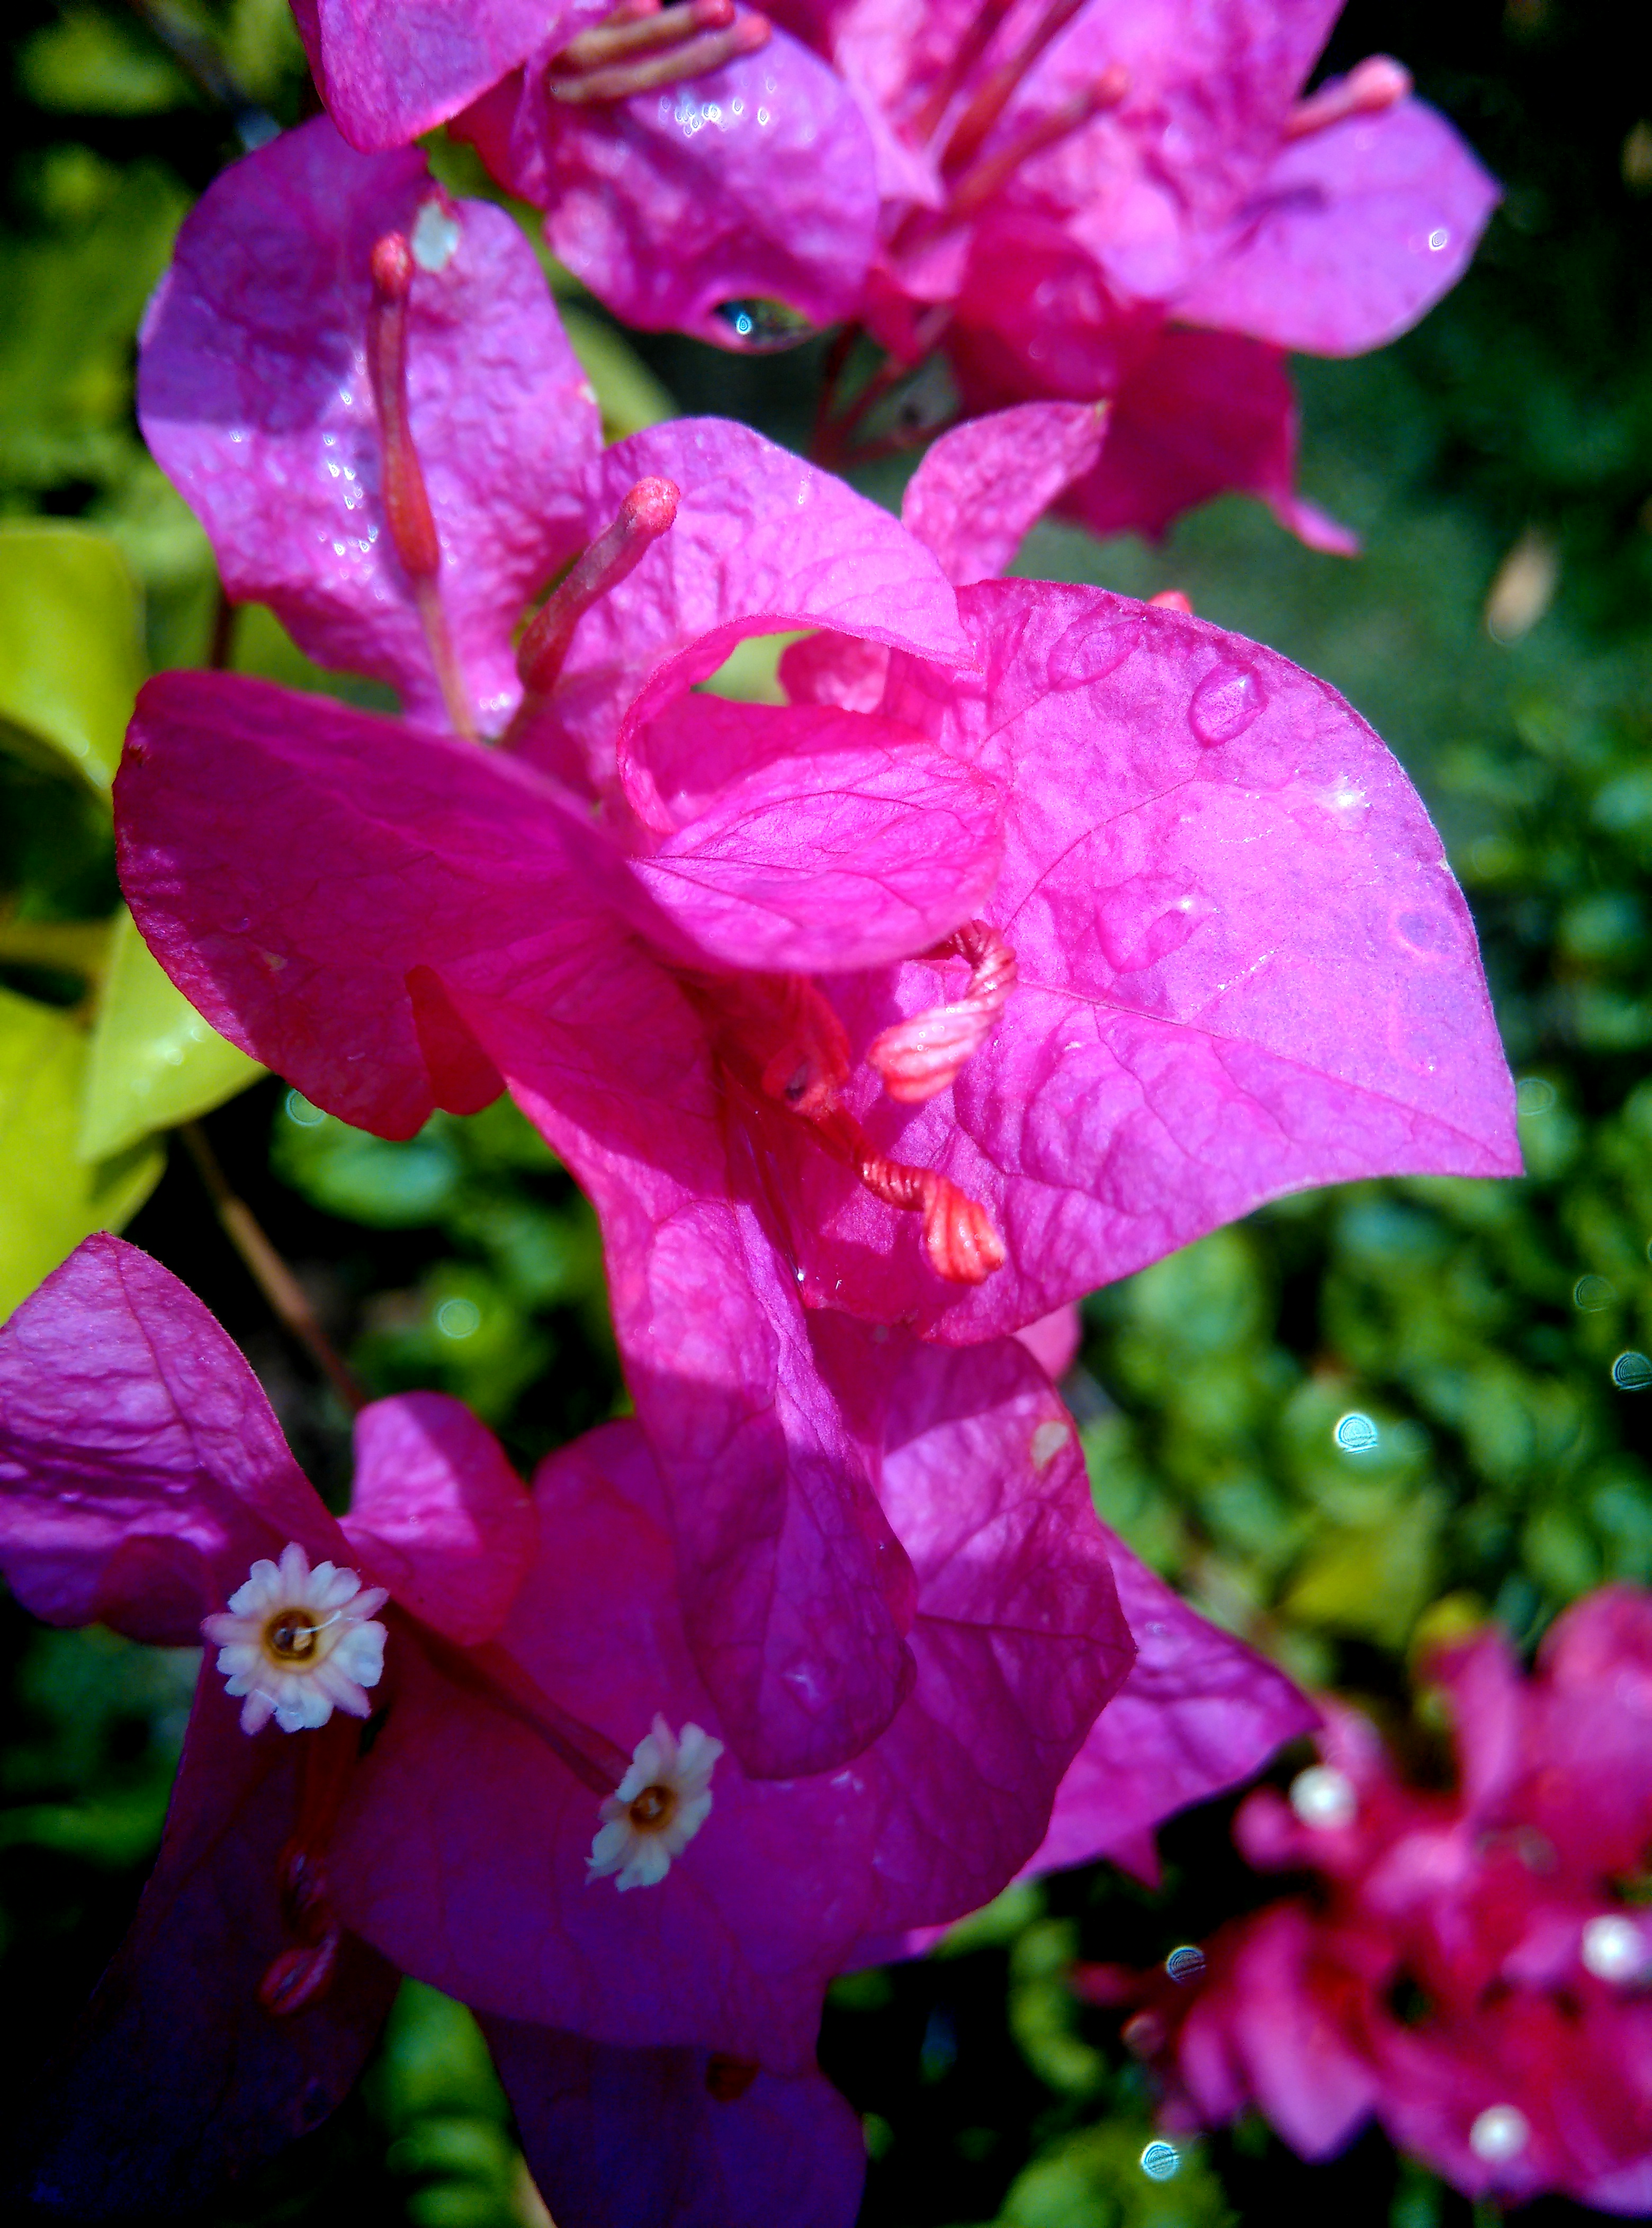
<point x="1359" y="1416"/>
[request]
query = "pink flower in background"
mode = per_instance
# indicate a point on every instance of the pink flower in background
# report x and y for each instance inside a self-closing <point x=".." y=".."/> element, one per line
<point x="1108" y="201"/>
<point x="1467" y="1970"/>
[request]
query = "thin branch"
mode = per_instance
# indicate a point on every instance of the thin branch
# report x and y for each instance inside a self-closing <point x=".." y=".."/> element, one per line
<point x="286" y="1297"/>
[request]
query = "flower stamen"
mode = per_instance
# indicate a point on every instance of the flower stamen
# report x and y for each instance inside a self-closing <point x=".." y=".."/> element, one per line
<point x="407" y="501"/>
<point x="968" y="135"/>
<point x="646" y="513"/>
<point x="632" y="51"/>
<point x="1369" y="87"/>
<point x="918" y="1058"/>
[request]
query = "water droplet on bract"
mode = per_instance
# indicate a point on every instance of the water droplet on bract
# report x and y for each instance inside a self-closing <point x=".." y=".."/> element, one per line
<point x="1534" y="1095"/>
<point x="1160" y="2161"/>
<point x="1439" y="238"/>
<point x="1614" y="1948"/>
<point x="1632" y="1372"/>
<point x="1186" y="1964"/>
<point x="1225" y="703"/>
<point x="1501" y="2133"/>
<point x="757" y="323"/>
<point x="458" y="1318"/>
<point x="1091" y="649"/>
<point x="1356" y="1434"/>
<point x="1323" y="1797"/>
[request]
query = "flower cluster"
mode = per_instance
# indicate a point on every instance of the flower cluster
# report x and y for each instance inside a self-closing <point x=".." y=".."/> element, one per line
<point x="1037" y="932"/>
<point x="1469" y="1967"/>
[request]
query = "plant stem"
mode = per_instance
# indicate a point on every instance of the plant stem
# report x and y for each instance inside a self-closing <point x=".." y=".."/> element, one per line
<point x="287" y="1298"/>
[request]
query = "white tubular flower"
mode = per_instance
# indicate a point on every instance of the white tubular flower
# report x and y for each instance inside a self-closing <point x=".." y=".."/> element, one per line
<point x="658" y="1806"/>
<point x="299" y="1643"/>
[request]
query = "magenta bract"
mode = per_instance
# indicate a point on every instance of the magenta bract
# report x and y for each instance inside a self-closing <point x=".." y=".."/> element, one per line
<point x="1057" y="183"/>
<point x="740" y="206"/>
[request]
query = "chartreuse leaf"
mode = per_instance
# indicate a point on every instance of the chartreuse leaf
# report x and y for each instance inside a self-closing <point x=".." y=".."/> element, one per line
<point x="628" y="395"/>
<point x="441" y="2104"/>
<point x="152" y="1060"/>
<point x="52" y="1199"/>
<point x="71" y="655"/>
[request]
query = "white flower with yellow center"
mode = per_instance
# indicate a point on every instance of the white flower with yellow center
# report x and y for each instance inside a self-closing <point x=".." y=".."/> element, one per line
<point x="658" y="1806"/>
<point x="299" y="1643"/>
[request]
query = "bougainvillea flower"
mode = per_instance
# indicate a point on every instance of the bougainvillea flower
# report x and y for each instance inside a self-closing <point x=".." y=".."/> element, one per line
<point x="740" y="206"/>
<point x="1073" y="176"/>
<point x="1017" y="1641"/>
<point x="701" y="989"/>
<point x="144" y="1483"/>
<point x="534" y="1650"/>
<point x="1469" y="1971"/>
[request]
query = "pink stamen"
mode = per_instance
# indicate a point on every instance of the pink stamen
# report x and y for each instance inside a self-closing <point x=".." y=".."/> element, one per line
<point x="1170" y="600"/>
<point x="624" y="33"/>
<point x="695" y="56"/>
<point x="406" y="503"/>
<point x="646" y="513"/>
<point x="959" y="1238"/>
<point x="965" y="141"/>
<point x="970" y="48"/>
<point x="984" y="179"/>
<point x="918" y="1058"/>
<point x="1369" y="87"/>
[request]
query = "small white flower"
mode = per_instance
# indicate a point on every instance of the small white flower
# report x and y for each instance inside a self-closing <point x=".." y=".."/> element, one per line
<point x="299" y="1643"/>
<point x="658" y="1806"/>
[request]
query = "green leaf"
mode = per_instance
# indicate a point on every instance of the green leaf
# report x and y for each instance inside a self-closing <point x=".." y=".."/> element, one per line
<point x="90" y="64"/>
<point x="628" y="395"/>
<point x="1096" y="2179"/>
<point x="52" y="1198"/>
<point x="152" y="1060"/>
<point x="71" y="655"/>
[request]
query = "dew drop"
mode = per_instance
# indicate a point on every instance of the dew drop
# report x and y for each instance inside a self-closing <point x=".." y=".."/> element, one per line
<point x="458" y="1318"/>
<point x="1614" y="1948"/>
<point x="1323" y="1797"/>
<point x="1186" y="1964"/>
<point x="1160" y="2160"/>
<point x="1593" y="1293"/>
<point x="1091" y="649"/>
<point x="1225" y="703"/>
<point x="1501" y="2133"/>
<point x="1356" y="1434"/>
<point x="757" y="323"/>
<point x="1632" y="1372"/>
<point x="1535" y="1095"/>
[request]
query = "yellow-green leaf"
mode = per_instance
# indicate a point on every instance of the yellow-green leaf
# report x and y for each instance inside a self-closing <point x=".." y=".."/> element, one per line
<point x="49" y="1197"/>
<point x="153" y="1061"/>
<point x="71" y="654"/>
<point x="628" y="395"/>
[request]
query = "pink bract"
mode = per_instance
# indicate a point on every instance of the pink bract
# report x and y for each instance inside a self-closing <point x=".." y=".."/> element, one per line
<point x="740" y="206"/>
<point x="1058" y="184"/>
<point x="391" y="69"/>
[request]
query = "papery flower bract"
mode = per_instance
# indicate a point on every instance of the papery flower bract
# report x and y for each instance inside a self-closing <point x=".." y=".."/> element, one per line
<point x="1059" y="182"/>
<point x="1017" y="1640"/>
<point x="741" y="206"/>
<point x="1469" y="1971"/>
<point x="144" y="1477"/>
<point x="141" y="1474"/>
<point x="391" y="69"/>
<point x="673" y="924"/>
